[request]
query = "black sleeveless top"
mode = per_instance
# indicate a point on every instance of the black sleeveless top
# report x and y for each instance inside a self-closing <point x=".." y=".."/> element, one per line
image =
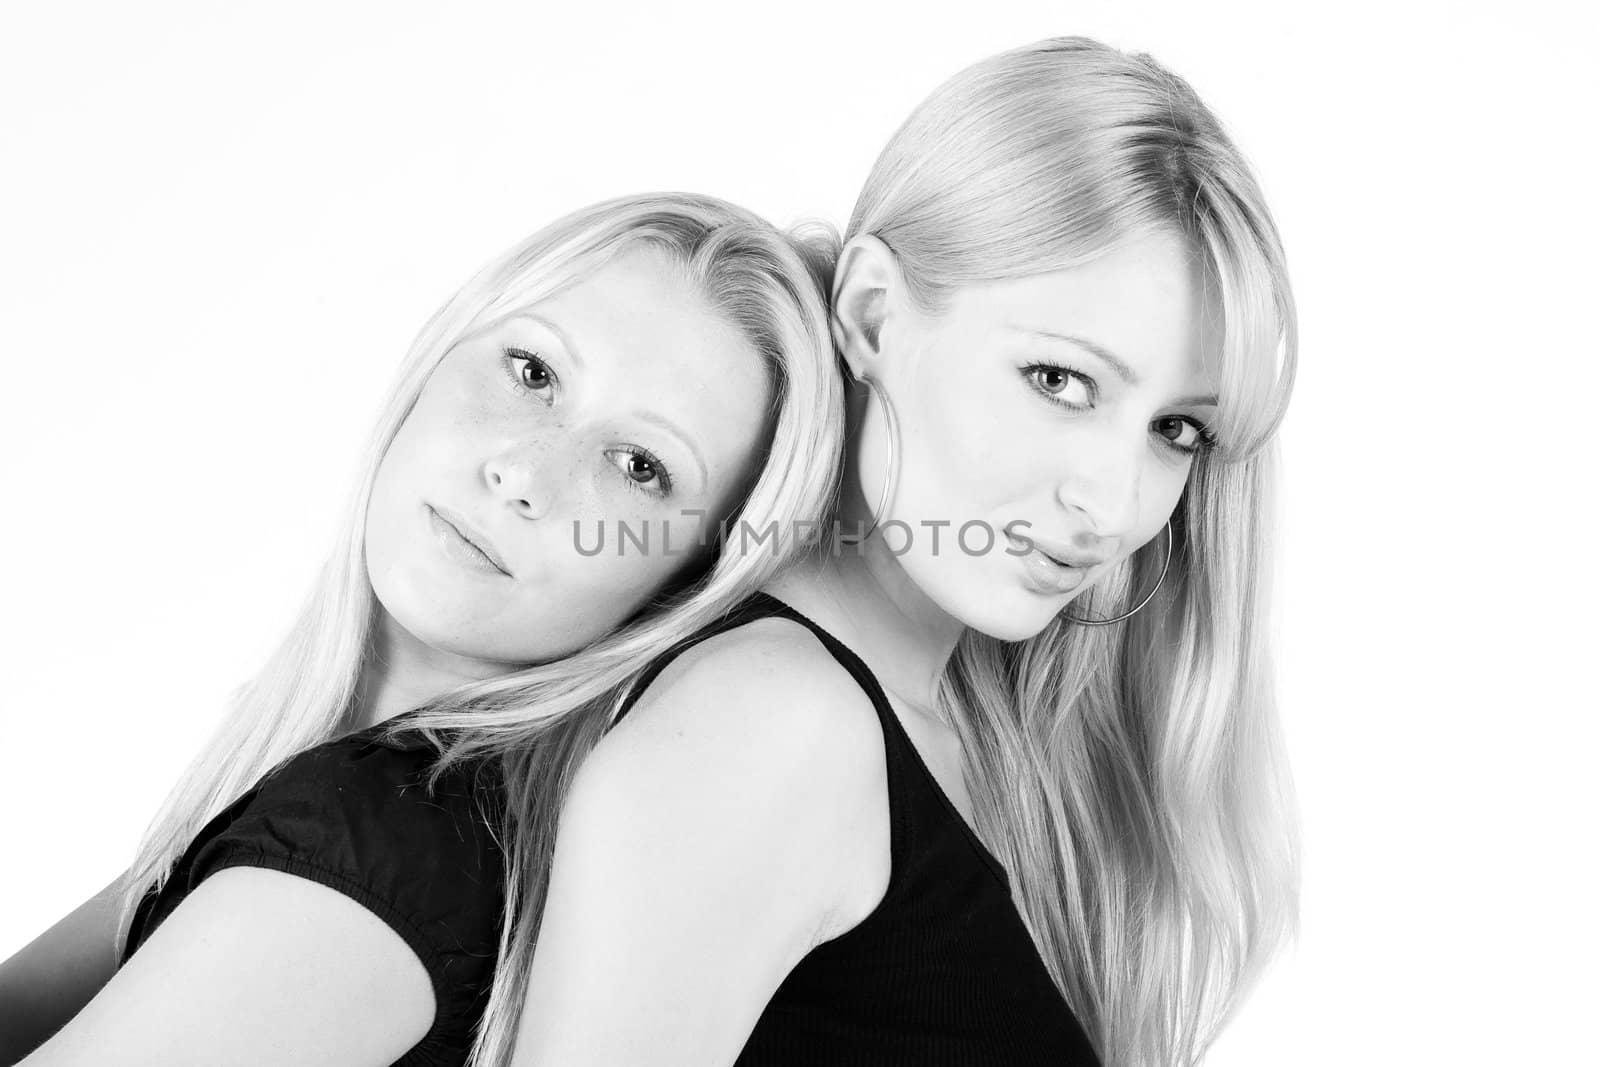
<point x="943" y="971"/>
<point x="355" y="815"/>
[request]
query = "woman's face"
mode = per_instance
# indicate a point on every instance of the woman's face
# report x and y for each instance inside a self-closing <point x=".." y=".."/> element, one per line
<point x="1065" y="407"/>
<point x="622" y="401"/>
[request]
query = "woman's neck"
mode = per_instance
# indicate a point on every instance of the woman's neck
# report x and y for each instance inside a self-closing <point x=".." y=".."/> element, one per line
<point x="402" y="673"/>
<point x="866" y="599"/>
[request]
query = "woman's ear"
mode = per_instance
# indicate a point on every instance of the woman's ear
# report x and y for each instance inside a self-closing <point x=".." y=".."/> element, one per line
<point x="867" y="275"/>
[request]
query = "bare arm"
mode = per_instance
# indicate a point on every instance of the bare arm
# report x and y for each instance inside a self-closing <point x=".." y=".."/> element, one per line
<point x="50" y="979"/>
<point x="256" y="967"/>
<point x="733" y="821"/>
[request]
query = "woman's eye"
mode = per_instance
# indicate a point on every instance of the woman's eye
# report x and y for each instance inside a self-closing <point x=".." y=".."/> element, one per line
<point x="1185" y="435"/>
<point x="643" y="470"/>
<point x="530" y="372"/>
<point x="1060" y="384"/>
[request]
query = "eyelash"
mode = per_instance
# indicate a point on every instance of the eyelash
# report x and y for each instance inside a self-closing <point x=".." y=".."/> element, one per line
<point x="651" y="458"/>
<point x="1208" y="439"/>
<point x="515" y="356"/>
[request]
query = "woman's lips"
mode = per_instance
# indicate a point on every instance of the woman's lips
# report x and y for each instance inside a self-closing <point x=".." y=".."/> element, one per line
<point x="464" y="543"/>
<point x="1048" y="576"/>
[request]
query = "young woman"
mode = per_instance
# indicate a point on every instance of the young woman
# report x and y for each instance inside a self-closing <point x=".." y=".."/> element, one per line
<point x="1004" y="787"/>
<point x="320" y="888"/>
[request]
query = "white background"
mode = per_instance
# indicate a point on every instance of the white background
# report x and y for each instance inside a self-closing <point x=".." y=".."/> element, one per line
<point x="220" y="226"/>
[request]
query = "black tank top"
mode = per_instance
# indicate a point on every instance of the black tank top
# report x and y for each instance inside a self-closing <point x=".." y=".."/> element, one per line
<point x="943" y="971"/>
<point x="356" y="815"/>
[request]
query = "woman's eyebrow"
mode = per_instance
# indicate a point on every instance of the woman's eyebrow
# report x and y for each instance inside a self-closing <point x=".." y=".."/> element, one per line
<point x="671" y="428"/>
<point x="561" y="335"/>
<point x="1125" y="372"/>
<point x="660" y="421"/>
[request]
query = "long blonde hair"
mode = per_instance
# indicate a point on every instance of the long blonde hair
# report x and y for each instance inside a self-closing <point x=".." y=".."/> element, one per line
<point x="1131" y="777"/>
<point x="538" y="724"/>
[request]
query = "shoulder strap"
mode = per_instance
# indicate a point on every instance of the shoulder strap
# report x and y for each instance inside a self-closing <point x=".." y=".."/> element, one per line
<point x="905" y="763"/>
<point x="846" y="658"/>
<point x="763" y="605"/>
<point x="759" y="606"/>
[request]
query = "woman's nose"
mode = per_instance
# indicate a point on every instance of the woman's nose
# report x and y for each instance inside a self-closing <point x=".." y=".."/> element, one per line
<point x="519" y="481"/>
<point x="1101" y="481"/>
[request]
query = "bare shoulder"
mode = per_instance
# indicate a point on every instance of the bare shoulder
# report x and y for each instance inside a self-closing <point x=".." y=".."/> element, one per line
<point x="766" y="693"/>
<point x="753" y="747"/>
<point x="732" y="821"/>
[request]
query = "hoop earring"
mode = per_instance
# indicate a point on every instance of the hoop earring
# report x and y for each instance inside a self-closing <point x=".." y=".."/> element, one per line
<point x="1107" y="622"/>
<point x="891" y="473"/>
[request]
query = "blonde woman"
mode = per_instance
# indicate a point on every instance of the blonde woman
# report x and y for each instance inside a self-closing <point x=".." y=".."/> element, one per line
<point x="1005" y="786"/>
<point x="538" y="520"/>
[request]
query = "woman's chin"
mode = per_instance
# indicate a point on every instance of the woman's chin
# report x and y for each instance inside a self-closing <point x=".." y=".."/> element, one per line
<point x="1012" y="626"/>
<point x="1004" y="613"/>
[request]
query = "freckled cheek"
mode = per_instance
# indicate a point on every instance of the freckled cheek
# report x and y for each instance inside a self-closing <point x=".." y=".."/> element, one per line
<point x="558" y="459"/>
<point x="450" y="422"/>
